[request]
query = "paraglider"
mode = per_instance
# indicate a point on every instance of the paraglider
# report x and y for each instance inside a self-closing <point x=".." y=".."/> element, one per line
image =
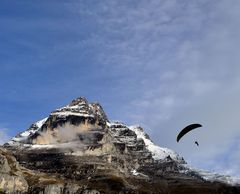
<point x="187" y="129"/>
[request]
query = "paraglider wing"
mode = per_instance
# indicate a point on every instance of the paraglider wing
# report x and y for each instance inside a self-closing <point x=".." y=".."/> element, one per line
<point x="187" y="129"/>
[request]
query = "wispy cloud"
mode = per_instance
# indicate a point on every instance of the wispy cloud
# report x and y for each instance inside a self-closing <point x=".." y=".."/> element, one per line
<point x="4" y="137"/>
<point x="178" y="63"/>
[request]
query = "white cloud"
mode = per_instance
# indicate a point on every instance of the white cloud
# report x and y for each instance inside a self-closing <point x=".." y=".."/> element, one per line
<point x="4" y="137"/>
<point x="179" y="63"/>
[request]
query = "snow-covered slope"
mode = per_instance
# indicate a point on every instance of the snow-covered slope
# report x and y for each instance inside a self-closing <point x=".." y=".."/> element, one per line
<point x="22" y="137"/>
<point x="158" y="153"/>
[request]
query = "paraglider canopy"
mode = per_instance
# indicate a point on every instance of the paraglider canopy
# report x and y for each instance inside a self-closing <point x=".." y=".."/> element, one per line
<point x="187" y="129"/>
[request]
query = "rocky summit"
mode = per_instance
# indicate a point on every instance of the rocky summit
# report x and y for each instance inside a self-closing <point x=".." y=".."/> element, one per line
<point x="77" y="149"/>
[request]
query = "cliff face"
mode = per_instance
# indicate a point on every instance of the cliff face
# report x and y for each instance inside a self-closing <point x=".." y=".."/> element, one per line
<point x="11" y="177"/>
<point x="78" y="150"/>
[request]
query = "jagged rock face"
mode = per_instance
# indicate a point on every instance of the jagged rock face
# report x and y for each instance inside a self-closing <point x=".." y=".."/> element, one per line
<point x="11" y="178"/>
<point x="78" y="150"/>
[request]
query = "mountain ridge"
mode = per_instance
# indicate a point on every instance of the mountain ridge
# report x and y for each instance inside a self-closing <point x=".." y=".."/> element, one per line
<point x="77" y="143"/>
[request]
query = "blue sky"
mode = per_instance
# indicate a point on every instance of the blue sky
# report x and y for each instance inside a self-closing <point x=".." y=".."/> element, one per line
<point x="159" y="63"/>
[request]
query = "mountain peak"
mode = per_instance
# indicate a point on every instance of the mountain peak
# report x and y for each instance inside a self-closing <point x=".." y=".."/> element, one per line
<point x="64" y="124"/>
<point x="80" y="107"/>
<point x="78" y="101"/>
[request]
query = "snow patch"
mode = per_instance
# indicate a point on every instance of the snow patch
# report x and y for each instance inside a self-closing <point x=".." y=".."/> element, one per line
<point x="134" y="172"/>
<point x="40" y="146"/>
<point x="40" y="123"/>
<point x="67" y="113"/>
